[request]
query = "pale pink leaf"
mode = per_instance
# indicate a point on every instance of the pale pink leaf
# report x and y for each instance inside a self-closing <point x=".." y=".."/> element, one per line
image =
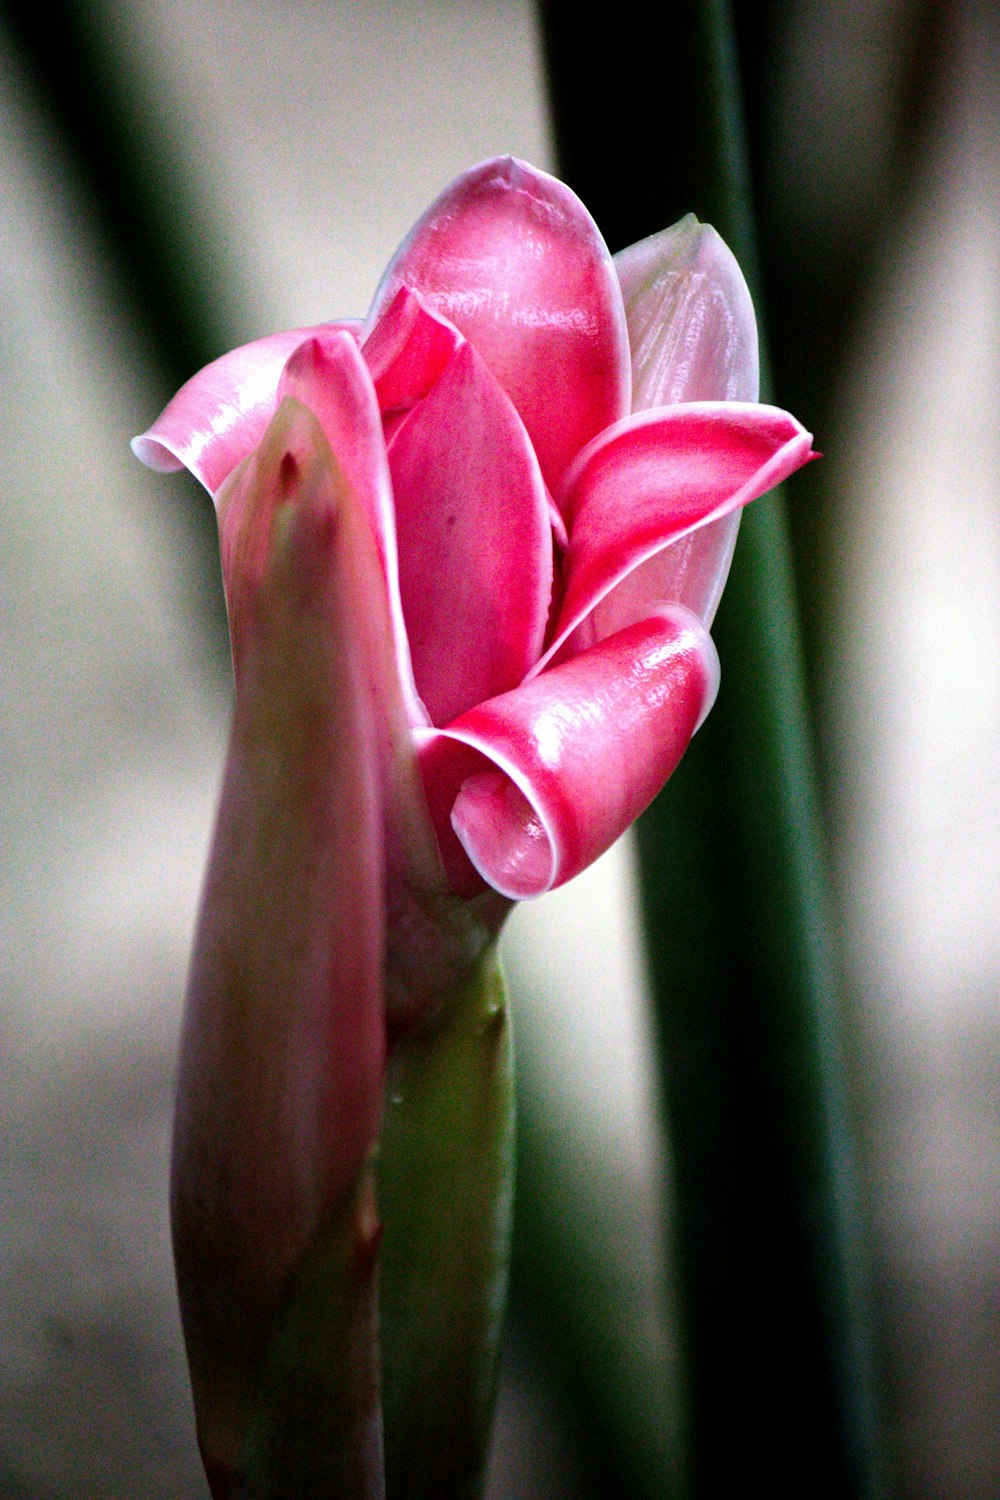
<point x="693" y="337"/>
<point x="691" y="324"/>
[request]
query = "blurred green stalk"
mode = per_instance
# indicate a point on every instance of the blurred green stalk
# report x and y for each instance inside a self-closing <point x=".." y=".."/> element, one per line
<point x="777" y="1358"/>
<point x="120" y="136"/>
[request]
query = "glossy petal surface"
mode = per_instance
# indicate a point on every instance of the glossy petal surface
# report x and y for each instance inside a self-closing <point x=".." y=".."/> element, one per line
<point x="548" y="776"/>
<point x="654" y="478"/>
<point x="220" y="415"/>
<point x="474" y="537"/>
<point x="511" y="257"/>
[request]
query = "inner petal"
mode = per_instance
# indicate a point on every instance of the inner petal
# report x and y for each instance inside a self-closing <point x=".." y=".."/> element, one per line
<point x="406" y="351"/>
<point x="475" y="540"/>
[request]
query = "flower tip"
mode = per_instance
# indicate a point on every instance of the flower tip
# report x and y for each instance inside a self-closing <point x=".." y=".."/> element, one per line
<point x="512" y="174"/>
<point x="507" y="168"/>
<point x="689" y="225"/>
<point x="311" y="363"/>
<point x="288" y="473"/>
<point x="154" y="454"/>
<point x="691" y="320"/>
<point x="297" y="465"/>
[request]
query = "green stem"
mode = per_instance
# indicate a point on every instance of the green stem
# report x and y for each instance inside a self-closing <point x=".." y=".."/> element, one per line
<point x="434" y="1278"/>
<point x="445" y="1183"/>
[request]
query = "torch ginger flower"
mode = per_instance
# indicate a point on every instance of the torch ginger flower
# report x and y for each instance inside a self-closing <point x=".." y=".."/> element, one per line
<point x="471" y="548"/>
<point x="542" y="497"/>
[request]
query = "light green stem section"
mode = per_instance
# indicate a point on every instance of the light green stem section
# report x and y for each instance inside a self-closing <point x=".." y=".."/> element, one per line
<point x="445" y="1186"/>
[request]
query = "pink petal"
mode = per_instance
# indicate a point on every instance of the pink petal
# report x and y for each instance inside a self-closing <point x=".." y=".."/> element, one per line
<point x="220" y="414"/>
<point x="511" y="257"/>
<point x="652" y="480"/>
<point x="328" y="375"/>
<point x="406" y="350"/>
<point x="475" y="542"/>
<point x="544" y="779"/>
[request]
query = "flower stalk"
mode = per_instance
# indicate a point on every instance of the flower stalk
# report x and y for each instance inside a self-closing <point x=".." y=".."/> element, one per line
<point x="445" y="1186"/>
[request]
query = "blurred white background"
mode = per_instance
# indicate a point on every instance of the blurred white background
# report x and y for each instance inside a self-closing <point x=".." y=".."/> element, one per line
<point x="318" y="133"/>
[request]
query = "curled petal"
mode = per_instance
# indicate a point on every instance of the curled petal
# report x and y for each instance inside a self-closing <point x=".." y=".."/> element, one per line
<point x="654" y="479"/>
<point x="512" y="258"/>
<point x="219" y="416"/>
<point x="544" y="779"/>
<point x="407" y="349"/>
<point x="475" y="540"/>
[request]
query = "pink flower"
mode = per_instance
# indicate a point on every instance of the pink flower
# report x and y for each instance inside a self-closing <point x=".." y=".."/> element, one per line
<point x="545" y="445"/>
<point x="470" y="548"/>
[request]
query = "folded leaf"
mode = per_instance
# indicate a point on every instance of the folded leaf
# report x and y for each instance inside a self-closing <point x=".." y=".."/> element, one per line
<point x="693" y="336"/>
<point x="327" y="375"/>
<point x="280" y="1077"/>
